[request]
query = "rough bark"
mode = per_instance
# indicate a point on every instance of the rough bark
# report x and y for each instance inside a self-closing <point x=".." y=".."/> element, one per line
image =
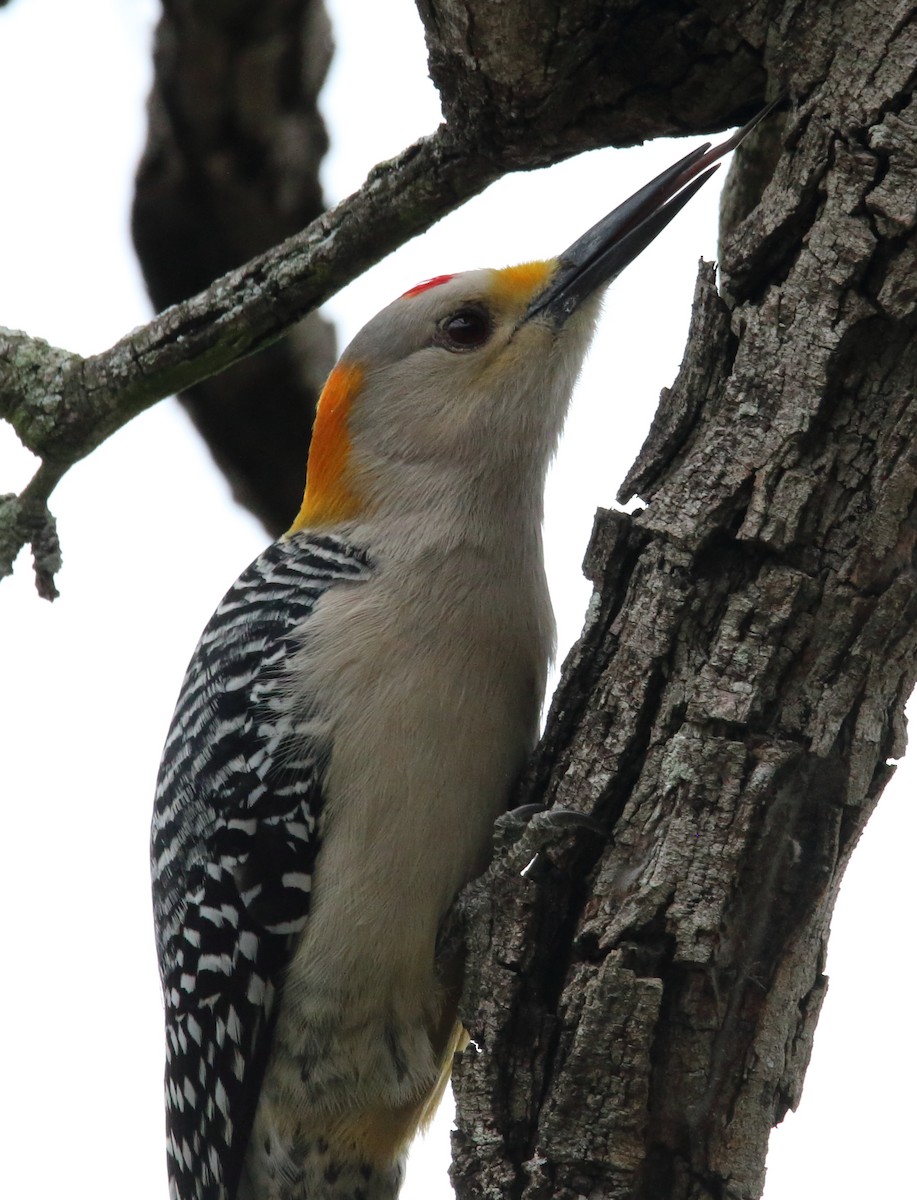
<point x="230" y="169"/>
<point x="645" y="1001"/>
<point x="541" y="80"/>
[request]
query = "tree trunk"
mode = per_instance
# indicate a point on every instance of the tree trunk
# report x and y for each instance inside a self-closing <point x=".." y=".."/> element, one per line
<point x="645" y="1000"/>
<point x="230" y="169"/>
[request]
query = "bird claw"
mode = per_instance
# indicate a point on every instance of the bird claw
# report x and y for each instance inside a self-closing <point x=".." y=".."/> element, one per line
<point x="539" y="826"/>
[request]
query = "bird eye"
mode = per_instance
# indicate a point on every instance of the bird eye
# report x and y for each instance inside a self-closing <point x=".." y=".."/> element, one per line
<point x="466" y="329"/>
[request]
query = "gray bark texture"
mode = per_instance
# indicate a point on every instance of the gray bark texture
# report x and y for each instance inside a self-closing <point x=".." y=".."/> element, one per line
<point x="644" y="1000"/>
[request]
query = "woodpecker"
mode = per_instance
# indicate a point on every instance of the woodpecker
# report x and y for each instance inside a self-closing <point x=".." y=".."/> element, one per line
<point x="352" y="723"/>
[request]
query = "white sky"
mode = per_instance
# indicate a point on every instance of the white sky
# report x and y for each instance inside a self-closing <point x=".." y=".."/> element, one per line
<point x="151" y="540"/>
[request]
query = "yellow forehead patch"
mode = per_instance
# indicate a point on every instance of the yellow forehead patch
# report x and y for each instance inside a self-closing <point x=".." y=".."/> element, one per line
<point x="331" y="493"/>
<point x="517" y="285"/>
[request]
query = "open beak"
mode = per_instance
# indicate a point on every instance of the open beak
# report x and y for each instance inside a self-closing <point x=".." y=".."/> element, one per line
<point x="600" y="255"/>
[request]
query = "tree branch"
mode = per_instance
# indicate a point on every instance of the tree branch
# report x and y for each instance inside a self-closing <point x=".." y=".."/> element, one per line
<point x="539" y="81"/>
<point x="62" y="406"/>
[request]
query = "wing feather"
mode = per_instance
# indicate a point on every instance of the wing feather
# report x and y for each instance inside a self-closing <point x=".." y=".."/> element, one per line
<point x="234" y="840"/>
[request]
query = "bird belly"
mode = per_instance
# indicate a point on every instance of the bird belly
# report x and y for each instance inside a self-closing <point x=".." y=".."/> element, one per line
<point x="366" y="1025"/>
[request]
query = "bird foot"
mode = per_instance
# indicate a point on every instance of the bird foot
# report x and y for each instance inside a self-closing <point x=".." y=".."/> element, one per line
<point x="534" y="827"/>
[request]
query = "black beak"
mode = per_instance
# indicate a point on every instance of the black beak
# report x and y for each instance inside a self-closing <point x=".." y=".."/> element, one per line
<point x="600" y="255"/>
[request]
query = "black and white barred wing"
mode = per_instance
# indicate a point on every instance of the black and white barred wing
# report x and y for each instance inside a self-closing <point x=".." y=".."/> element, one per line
<point x="233" y="848"/>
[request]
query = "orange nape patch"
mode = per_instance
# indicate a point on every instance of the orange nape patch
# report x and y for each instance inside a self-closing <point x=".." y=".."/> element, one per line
<point x="518" y="285"/>
<point x="331" y="493"/>
<point x="425" y="286"/>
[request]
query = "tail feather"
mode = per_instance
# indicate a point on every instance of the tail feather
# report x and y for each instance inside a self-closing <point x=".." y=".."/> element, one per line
<point x="358" y="1155"/>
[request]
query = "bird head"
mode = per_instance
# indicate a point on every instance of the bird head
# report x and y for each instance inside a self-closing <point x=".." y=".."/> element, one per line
<point x="468" y="376"/>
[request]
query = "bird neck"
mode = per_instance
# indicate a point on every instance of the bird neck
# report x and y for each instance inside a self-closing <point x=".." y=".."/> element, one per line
<point x="496" y="511"/>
